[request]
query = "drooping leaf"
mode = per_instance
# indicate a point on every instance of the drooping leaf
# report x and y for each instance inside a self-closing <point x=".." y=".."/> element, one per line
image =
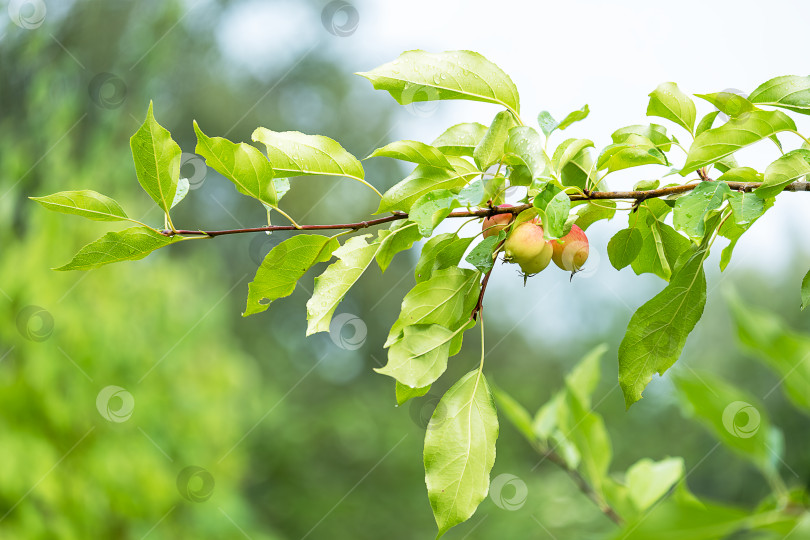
<point x="490" y="149"/>
<point x="634" y="151"/>
<point x="331" y="286"/>
<point x="661" y="244"/>
<point x="729" y="103"/>
<point x="706" y="122"/>
<point x="624" y="247"/>
<point x="788" y="168"/>
<point x="790" y="92"/>
<point x="405" y="393"/>
<point x="423" y="76"/>
<point x="574" y="116"/>
<point x="442" y="251"/>
<point x="415" y="152"/>
<point x="648" y="480"/>
<point x="460" y="450"/>
<point x="668" y="101"/>
<point x="658" y="330"/>
<point x="157" y="160"/>
<point x="567" y="150"/>
<point x="553" y="205"/>
<point x="719" y="142"/>
<point x="524" y="147"/>
<point x="692" y="209"/>
<point x="482" y="255"/>
<point x="127" y="245"/>
<point x="241" y="163"/>
<point x="401" y="236"/>
<point x="655" y="133"/>
<point x="547" y="123"/>
<point x="420" y="357"/>
<point x="461" y="139"/>
<point x="284" y="266"/>
<point x="746" y="207"/>
<point x="85" y="203"/>
<point x="431" y="208"/>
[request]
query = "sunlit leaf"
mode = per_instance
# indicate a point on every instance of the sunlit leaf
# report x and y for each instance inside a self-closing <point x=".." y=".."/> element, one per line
<point x="788" y="168"/>
<point x="624" y="247"/>
<point x="461" y="139"/>
<point x="157" y="161"/>
<point x="790" y="92"/>
<point x="85" y="203"/>
<point x="490" y="149"/>
<point x="415" y="152"/>
<point x="127" y="245"/>
<point x="401" y="236"/>
<point x="668" y="101"/>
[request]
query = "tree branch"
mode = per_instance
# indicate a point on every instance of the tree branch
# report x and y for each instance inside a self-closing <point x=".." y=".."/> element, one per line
<point x="587" y="195"/>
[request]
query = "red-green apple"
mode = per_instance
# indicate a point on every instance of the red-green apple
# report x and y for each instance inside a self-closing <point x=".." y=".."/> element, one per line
<point x="495" y="224"/>
<point x="571" y="251"/>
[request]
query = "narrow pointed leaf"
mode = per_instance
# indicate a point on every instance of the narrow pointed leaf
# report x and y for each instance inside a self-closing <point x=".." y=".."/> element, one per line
<point x="157" y="161"/>
<point x="420" y="357"/>
<point x="788" y="168"/>
<point x="634" y="151"/>
<point x="491" y="148"/>
<point x="524" y="147"/>
<point x="415" y="152"/>
<point x="575" y="116"/>
<point x="423" y="180"/>
<point x="85" y="203"/>
<point x="790" y="92"/>
<point x="668" y="101"/>
<point x="405" y="393"/>
<point x="461" y="139"/>
<point x="653" y="132"/>
<point x="127" y="245"/>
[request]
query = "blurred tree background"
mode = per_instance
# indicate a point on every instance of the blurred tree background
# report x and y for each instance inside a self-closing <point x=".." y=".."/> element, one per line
<point x="286" y="437"/>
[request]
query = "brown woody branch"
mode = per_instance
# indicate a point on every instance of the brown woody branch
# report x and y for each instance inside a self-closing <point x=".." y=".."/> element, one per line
<point x="587" y="195"/>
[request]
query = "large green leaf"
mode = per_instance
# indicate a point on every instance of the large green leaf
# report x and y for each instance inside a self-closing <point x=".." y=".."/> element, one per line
<point x="85" y="203"/>
<point x="490" y="149"/>
<point x="157" y="160"/>
<point x="788" y="168"/>
<point x="447" y="299"/>
<point x="482" y="255"/>
<point x="658" y="330"/>
<point x="400" y="236"/>
<point x="735" y="417"/>
<point x="729" y="103"/>
<point x="714" y="144"/>
<point x="653" y="132"/>
<point x="591" y="212"/>
<point x="633" y="151"/>
<point x="524" y="147"/>
<point x="241" y="163"/>
<point x="415" y="152"/>
<point x="661" y="244"/>
<point x="460" y="450"/>
<point x="624" y="247"/>
<point x="420" y="357"/>
<point x="423" y="180"/>
<point x="692" y="209"/>
<point x="422" y="76"/>
<point x="284" y="266"/>
<point x="668" y="101"/>
<point x="567" y="150"/>
<point x="791" y="92"/>
<point x="461" y="139"/>
<point x="442" y="251"/>
<point x="331" y="286"/>
<point x="553" y="205"/>
<point x="127" y="245"/>
<point x="431" y="208"/>
<point x="782" y="349"/>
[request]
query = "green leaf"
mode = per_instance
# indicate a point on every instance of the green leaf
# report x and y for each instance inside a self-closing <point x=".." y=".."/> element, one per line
<point x="790" y="92"/>
<point x="729" y="103"/>
<point x="692" y="209"/>
<point x="127" y="245"/>
<point x="490" y="150"/>
<point x="423" y="180"/>
<point x="668" y="101"/>
<point x="574" y="116"/>
<point x="442" y="251"/>
<point x="589" y="213"/>
<point x="719" y="142"/>
<point x="284" y="266"/>
<point x="420" y="357"/>
<point x="783" y="350"/>
<point x="735" y="417"/>
<point x="460" y="450"/>
<point x="658" y="330"/>
<point x="431" y="208"/>
<point x="472" y="194"/>
<point x="633" y="152"/>
<point x="624" y="247"/>
<point x="399" y="237"/>
<point x="241" y="163"/>
<point x="648" y="480"/>
<point x="415" y="152"/>
<point x="515" y="413"/>
<point x="706" y="122"/>
<point x="461" y="139"/>
<point x="157" y="161"/>
<point x="654" y="133"/>
<point x="746" y="207"/>
<point x="331" y="286"/>
<point x="446" y="299"/>
<point x="741" y="174"/>
<point x="524" y="147"/>
<point x="662" y="245"/>
<point x="788" y="168"/>
<point x="646" y="185"/>
<point x="567" y="150"/>
<point x="547" y="123"/>
<point x="85" y="203"/>
<point x="553" y="205"/>
<point x="405" y="393"/>
<point x="805" y="290"/>
<point x="422" y="76"/>
<point x="481" y="255"/>
<point x="182" y="190"/>
<point x="292" y="153"/>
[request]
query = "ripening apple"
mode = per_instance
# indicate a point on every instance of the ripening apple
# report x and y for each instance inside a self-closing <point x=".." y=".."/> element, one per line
<point x="495" y="224"/>
<point x="571" y="251"/>
<point x="527" y="247"/>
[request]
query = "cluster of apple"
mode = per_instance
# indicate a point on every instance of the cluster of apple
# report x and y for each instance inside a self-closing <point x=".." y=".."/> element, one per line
<point x="527" y="247"/>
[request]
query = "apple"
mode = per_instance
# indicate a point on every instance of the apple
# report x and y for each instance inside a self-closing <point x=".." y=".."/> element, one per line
<point x="527" y="247"/>
<point x="571" y="251"/>
<point x="495" y="224"/>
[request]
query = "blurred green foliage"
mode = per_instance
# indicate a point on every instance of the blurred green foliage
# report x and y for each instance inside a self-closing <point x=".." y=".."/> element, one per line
<point x="301" y="439"/>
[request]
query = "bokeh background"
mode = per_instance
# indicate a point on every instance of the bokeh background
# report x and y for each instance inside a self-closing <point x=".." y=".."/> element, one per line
<point x="136" y="402"/>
